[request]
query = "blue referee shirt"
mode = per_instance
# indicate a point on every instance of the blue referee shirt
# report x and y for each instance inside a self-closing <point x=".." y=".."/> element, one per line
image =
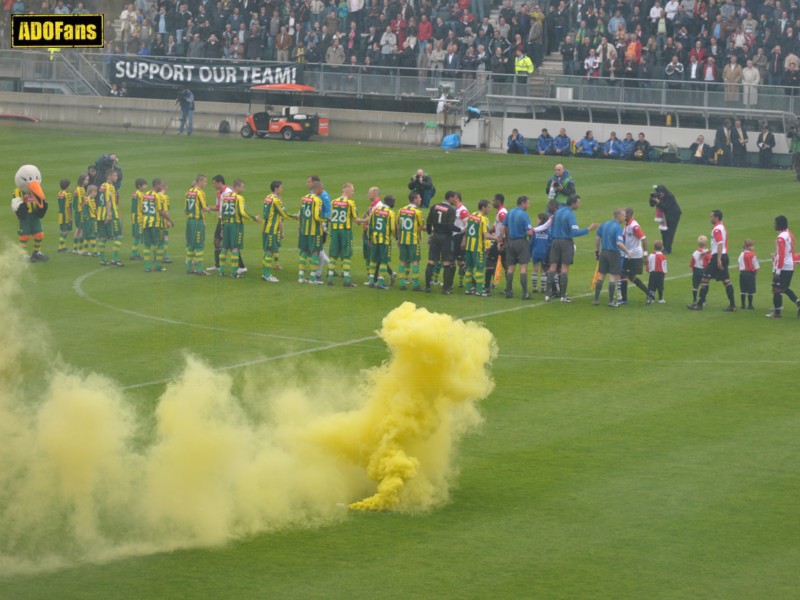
<point x="565" y="224"/>
<point x="610" y="233"/>
<point x="518" y="223"/>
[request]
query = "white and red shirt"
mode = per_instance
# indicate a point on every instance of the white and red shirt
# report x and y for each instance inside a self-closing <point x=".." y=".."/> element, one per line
<point x="748" y="261"/>
<point x="784" y="252"/>
<point x="220" y="195"/>
<point x="372" y="205"/>
<point x="462" y="215"/>
<point x="633" y="236"/>
<point x="700" y="259"/>
<point x="719" y="239"/>
<point x="657" y="263"/>
<point x="499" y="220"/>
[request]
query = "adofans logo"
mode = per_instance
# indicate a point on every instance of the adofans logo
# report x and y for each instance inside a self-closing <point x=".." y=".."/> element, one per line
<point x="56" y="31"/>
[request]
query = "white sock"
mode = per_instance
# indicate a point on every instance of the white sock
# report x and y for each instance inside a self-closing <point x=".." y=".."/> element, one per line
<point x="323" y="260"/>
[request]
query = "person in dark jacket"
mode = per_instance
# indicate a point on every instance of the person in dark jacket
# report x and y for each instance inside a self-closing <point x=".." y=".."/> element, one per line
<point x="665" y="200"/>
<point x="422" y="183"/>
<point x="516" y="143"/>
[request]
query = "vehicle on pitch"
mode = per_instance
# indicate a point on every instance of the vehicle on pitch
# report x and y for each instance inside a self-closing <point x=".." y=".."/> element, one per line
<point x="291" y="124"/>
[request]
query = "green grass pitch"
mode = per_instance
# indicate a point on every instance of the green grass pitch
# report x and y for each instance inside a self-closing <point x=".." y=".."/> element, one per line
<point x="643" y="452"/>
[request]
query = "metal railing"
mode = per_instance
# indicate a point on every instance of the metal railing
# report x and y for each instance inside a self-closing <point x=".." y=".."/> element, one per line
<point x="65" y="71"/>
<point x="674" y="94"/>
<point x="88" y="72"/>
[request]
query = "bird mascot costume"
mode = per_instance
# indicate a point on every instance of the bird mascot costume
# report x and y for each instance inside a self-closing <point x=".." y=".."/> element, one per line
<point x="30" y="207"/>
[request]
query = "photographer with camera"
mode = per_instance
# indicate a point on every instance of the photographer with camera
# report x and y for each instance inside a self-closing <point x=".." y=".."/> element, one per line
<point x="560" y="186"/>
<point x="186" y="101"/>
<point x="103" y="165"/>
<point x="664" y="200"/>
<point x="793" y="137"/>
<point x="422" y="184"/>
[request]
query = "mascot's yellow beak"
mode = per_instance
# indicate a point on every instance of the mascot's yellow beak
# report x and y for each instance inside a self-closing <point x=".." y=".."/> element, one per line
<point x="36" y="189"/>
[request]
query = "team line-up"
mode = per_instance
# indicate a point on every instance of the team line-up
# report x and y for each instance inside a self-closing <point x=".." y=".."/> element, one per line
<point x="459" y="241"/>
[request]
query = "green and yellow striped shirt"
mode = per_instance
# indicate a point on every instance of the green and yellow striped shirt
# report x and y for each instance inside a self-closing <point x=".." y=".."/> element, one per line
<point x="195" y="203"/>
<point x="310" y="215"/>
<point x="411" y="223"/>
<point x="233" y="209"/>
<point x="343" y="212"/>
<point x="64" y="207"/>
<point x="381" y="224"/>
<point x="274" y="214"/>
<point x="106" y="202"/>
<point x="477" y="225"/>
<point x="148" y="209"/>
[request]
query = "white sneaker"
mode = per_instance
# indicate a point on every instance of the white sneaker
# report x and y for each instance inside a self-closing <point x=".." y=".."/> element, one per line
<point x="566" y="299"/>
<point x="270" y="279"/>
<point x="241" y="271"/>
<point x="212" y="269"/>
<point x="315" y="281"/>
<point x="662" y="301"/>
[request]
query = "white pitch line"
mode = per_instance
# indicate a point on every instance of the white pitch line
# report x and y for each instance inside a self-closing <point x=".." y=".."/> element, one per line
<point x="76" y="286"/>
<point x="262" y="360"/>
<point x="343" y="344"/>
<point x="527" y="305"/>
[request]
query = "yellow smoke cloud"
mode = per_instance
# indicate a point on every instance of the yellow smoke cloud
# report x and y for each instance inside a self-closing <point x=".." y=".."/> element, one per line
<point x="81" y="478"/>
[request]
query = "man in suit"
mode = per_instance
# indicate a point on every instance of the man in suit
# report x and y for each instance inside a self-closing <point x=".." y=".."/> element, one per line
<point x="723" y="144"/>
<point x="283" y="43"/>
<point x="739" y="140"/>
<point x="700" y="152"/>
<point x="765" y="143"/>
<point x="452" y="63"/>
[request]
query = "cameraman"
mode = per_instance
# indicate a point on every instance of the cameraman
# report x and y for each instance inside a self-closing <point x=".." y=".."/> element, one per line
<point x="423" y="185"/>
<point x="103" y="165"/>
<point x="186" y="100"/>
<point x="560" y="186"/>
<point x="794" y="147"/>
<point x="664" y="200"/>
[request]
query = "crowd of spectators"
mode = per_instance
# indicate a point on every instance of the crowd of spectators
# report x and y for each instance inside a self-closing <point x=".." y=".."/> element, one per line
<point x="452" y="38"/>
<point x="739" y="43"/>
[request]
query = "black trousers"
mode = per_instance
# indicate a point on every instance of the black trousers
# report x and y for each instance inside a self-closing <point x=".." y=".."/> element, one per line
<point x="668" y="235"/>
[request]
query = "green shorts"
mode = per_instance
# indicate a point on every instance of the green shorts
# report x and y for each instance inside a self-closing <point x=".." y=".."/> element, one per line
<point x="271" y="242"/>
<point x="195" y="234"/>
<point x="475" y="260"/>
<point x="30" y="225"/>
<point x="65" y="227"/>
<point x="136" y="231"/>
<point x="232" y="236"/>
<point x="310" y="244"/>
<point x="105" y="231"/>
<point x="151" y="236"/>
<point x="381" y="253"/>
<point x="77" y="218"/>
<point x="89" y="229"/>
<point x="116" y="228"/>
<point x="409" y="253"/>
<point x="341" y="243"/>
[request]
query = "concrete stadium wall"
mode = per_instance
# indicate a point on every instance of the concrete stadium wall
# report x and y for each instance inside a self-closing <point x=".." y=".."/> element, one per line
<point x="345" y="125"/>
<point x="140" y="114"/>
